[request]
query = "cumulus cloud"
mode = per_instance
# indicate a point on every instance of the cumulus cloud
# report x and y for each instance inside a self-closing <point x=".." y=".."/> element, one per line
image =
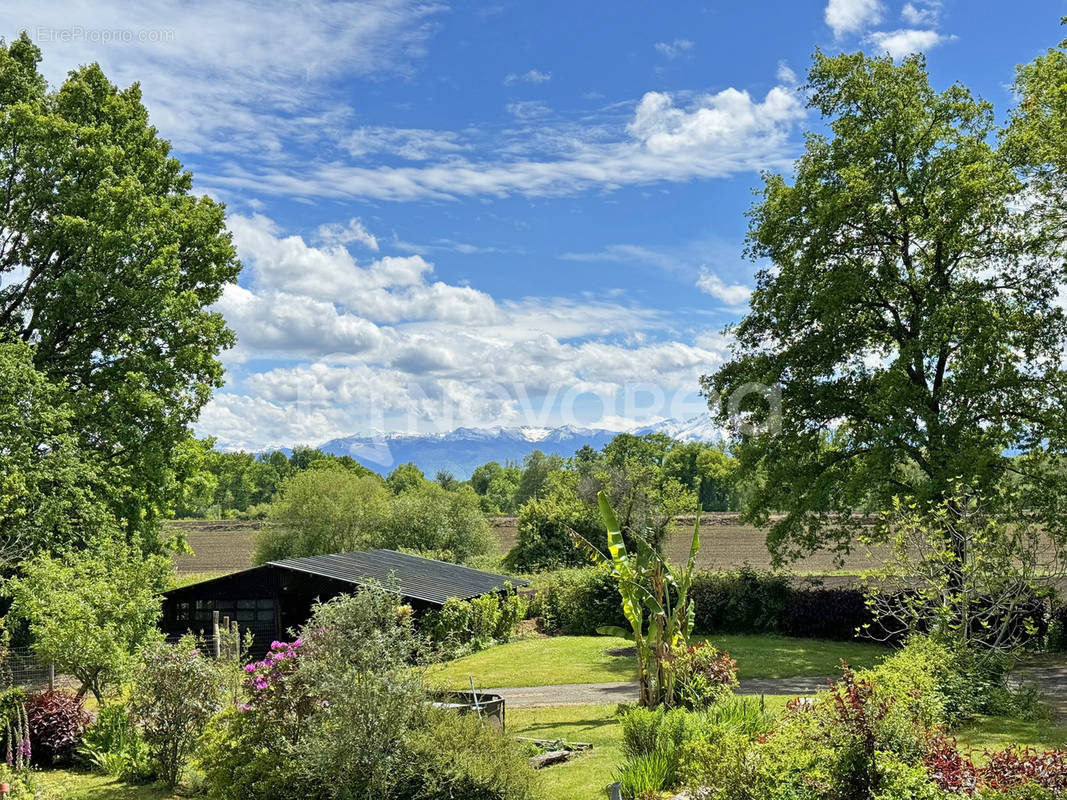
<point x="382" y="345"/>
<point x="674" y="49"/>
<point x="851" y="16"/>
<point x="733" y="294"/>
<point x="904" y="42"/>
<point x="352" y="232"/>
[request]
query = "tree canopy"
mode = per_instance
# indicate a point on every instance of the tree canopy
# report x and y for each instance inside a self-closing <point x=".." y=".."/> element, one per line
<point x="109" y="266"/>
<point x="907" y="307"/>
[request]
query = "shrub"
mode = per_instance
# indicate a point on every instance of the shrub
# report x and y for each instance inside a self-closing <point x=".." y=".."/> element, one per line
<point x="474" y="623"/>
<point x="743" y="601"/>
<point x="578" y="601"/>
<point x="176" y="691"/>
<point x="545" y="524"/>
<point x="57" y="722"/>
<point x="462" y="758"/>
<point x="701" y="674"/>
<point x="113" y="745"/>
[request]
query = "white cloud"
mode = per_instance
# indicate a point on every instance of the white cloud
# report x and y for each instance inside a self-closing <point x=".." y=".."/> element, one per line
<point x="674" y="49"/>
<point x="901" y="43"/>
<point x="733" y="294"/>
<point x="352" y="232"/>
<point x="241" y="76"/>
<point x="715" y="135"/>
<point x="852" y="16"/>
<point x="718" y="120"/>
<point x="786" y="75"/>
<point x="921" y="12"/>
<point x="531" y="76"/>
<point x="390" y="289"/>
<point x="528" y="109"/>
<point x="413" y="144"/>
<point x="379" y="345"/>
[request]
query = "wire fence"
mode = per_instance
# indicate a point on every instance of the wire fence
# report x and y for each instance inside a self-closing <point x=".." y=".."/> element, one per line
<point x="20" y="667"/>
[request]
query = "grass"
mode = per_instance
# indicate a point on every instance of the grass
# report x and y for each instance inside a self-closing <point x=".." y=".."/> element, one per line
<point x="996" y="733"/>
<point x="550" y="661"/>
<point x="188" y="578"/>
<point x="68" y="785"/>
<point x="586" y="775"/>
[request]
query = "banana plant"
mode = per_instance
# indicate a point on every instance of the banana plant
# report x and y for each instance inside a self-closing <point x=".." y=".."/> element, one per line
<point x="655" y="601"/>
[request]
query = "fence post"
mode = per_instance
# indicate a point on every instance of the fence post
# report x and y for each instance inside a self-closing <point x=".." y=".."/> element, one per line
<point x="51" y="675"/>
<point x="215" y="632"/>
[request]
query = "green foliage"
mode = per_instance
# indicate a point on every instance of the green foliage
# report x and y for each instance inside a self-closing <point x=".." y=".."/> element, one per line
<point x="577" y="602"/>
<point x="497" y="487"/>
<point x="468" y="625"/>
<point x="536" y="469"/>
<point x="647" y="775"/>
<point x="176" y="690"/>
<point x="427" y="518"/>
<point x="977" y="572"/>
<point x="701" y="675"/>
<point x="404" y="477"/>
<point x="545" y="525"/>
<point x="742" y="601"/>
<point x="114" y="746"/>
<point x="648" y="584"/>
<point x="90" y="612"/>
<point x="330" y="509"/>
<point x="916" y="341"/>
<point x="462" y="758"/>
<point x="119" y="267"/>
<point x="51" y="489"/>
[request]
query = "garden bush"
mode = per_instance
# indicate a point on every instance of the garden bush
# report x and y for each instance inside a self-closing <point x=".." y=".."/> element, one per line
<point x="745" y="601"/>
<point x="470" y="625"/>
<point x="702" y="675"/>
<point x="460" y="757"/>
<point x="176" y="691"/>
<point x="112" y="745"/>
<point x="57" y="721"/>
<point x="578" y="601"/>
<point x="821" y="613"/>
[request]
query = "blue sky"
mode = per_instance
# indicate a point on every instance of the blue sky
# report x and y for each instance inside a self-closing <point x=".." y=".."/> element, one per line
<point x="492" y="213"/>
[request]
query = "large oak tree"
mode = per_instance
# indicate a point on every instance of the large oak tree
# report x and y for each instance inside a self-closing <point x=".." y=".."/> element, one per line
<point x="907" y="307"/>
<point x="109" y="266"/>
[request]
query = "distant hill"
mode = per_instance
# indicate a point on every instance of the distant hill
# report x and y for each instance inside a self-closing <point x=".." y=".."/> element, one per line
<point x="461" y="450"/>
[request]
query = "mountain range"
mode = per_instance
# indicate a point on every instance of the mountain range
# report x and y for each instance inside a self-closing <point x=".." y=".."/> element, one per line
<point x="461" y="450"/>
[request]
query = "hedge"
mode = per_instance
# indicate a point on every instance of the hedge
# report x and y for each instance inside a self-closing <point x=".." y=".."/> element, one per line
<point x="578" y="601"/>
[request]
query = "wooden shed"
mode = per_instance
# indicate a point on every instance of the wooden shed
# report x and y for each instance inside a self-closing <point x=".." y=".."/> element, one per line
<point x="272" y="599"/>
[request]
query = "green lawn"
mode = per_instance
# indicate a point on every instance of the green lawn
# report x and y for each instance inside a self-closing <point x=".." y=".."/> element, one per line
<point x="586" y="775"/>
<point x="549" y="661"/>
<point x="66" y="785"/>
<point x="996" y="733"/>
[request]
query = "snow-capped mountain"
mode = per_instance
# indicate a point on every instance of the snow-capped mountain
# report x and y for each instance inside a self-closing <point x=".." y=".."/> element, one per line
<point x="461" y="450"/>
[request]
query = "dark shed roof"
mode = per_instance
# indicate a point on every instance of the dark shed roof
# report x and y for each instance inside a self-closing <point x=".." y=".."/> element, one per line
<point x="414" y="577"/>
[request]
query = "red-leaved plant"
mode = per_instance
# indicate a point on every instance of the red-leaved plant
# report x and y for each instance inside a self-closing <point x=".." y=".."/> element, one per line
<point x="1004" y="770"/>
<point x="57" y="722"/>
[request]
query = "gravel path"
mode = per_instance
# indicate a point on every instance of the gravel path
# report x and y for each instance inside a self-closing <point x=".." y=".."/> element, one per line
<point x="1049" y="674"/>
<point x="584" y="694"/>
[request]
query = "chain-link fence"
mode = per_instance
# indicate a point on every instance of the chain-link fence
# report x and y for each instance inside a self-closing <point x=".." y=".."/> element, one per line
<point x="20" y="667"/>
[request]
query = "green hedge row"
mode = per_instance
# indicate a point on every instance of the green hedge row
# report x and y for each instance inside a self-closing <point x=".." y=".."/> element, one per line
<point x="578" y="601"/>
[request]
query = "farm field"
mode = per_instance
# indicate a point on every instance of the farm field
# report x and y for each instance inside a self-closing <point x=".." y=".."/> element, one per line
<point x="227" y="545"/>
<point x="551" y="661"/>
